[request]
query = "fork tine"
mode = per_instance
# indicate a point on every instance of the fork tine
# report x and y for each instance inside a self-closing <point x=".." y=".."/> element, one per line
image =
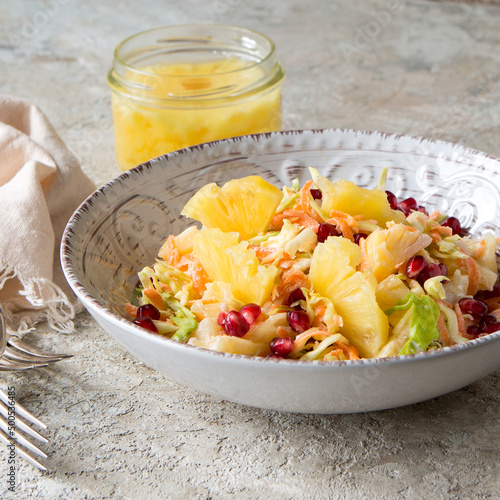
<point x="20" y="410"/>
<point x="4" y="410"/>
<point x="14" y="355"/>
<point x="28" y="349"/>
<point x="4" y="425"/>
<point x="5" y="439"/>
<point x="8" y="365"/>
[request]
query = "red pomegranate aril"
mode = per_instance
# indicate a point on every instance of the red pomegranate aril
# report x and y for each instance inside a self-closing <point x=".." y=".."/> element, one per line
<point x="454" y="224"/>
<point x="473" y="332"/>
<point x="491" y="328"/>
<point x="298" y="320"/>
<point x="316" y="194"/>
<point x="415" y="266"/>
<point x="281" y="346"/>
<point x="235" y="324"/>
<point x="488" y="294"/>
<point x="295" y="296"/>
<point x="145" y="322"/>
<point x="488" y="319"/>
<point x="359" y="236"/>
<point x="250" y="312"/>
<point x="443" y="268"/>
<point x="325" y="230"/>
<point x="221" y="318"/>
<point x="422" y="209"/>
<point x="408" y="204"/>
<point x="476" y="308"/>
<point x="392" y="199"/>
<point x="148" y="311"/>
<point x="401" y="209"/>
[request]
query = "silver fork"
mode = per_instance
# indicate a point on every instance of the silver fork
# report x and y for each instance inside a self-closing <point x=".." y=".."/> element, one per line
<point x="17" y="355"/>
<point x="10" y="420"/>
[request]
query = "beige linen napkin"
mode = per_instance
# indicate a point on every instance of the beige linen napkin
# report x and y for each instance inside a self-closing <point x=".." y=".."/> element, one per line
<point x="41" y="184"/>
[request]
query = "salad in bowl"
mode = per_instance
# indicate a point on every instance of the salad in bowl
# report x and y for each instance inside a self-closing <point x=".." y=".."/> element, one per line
<point x="324" y="271"/>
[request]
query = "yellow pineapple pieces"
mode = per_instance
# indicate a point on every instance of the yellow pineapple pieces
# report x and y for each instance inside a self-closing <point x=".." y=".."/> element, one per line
<point x="364" y="324"/>
<point x="333" y="261"/>
<point x="242" y="205"/>
<point x="387" y="249"/>
<point x="333" y="274"/>
<point x="345" y="196"/>
<point x="226" y="260"/>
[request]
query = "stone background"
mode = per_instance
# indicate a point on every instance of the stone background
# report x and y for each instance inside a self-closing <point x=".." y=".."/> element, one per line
<point x="119" y="430"/>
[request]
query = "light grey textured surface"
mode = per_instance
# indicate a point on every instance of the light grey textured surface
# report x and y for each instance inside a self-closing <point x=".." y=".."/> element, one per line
<point x="119" y="430"/>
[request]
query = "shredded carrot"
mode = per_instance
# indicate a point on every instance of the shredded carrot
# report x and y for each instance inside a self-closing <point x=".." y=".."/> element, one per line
<point x="304" y="205"/>
<point x="199" y="277"/>
<point x="169" y="252"/>
<point x="462" y="329"/>
<point x="347" y="224"/>
<point x="295" y="217"/>
<point x="444" y="335"/>
<point x="305" y="336"/>
<point x="438" y="232"/>
<point x="262" y="252"/>
<point x="337" y="353"/>
<point x="154" y="297"/>
<point x="473" y="272"/>
<point x="482" y="248"/>
<point x="435" y="215"/>
<point x="292" y="278"/>
<point x="131" y="310"/>
<point x="363" y="265"/>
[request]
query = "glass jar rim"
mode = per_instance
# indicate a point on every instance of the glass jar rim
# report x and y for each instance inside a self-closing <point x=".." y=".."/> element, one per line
<point x="135" y="36"/>
<point x="201" y="36"/>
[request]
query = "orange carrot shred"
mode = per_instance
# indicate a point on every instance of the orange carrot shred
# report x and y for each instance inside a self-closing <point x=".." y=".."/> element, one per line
<point x="295" y="217"/>
<point x="154" y="297"/>
<point x="444" y="335"/>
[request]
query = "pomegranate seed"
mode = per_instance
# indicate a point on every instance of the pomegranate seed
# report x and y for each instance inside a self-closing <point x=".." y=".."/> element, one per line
<point x="391" y="198"/>
<point x="298" y="320"/>
<point x="408" y="204"/>
<point x="476" y="308"/>
<point x="326" y="230"/>
<point x="250" y="312"/>
<point x="148" y="311"/>
<point x="422" y="209"/>
<point x="316" y="194"/>
<point x="443" y="269"/>
<point x="473" y="332"/>
<point x="235" y="324"/>
<point x="492" y="327"/>
<point x="488" y="294"/>
<point x="415" y="266"/>
<point x="454" y="224"/>
<point x="406" y="212"/>
<point x="281" y="346"/>
<point x="145" y="322"/>
<point x="221" y="318"/>
<point x="295" y="296"/>
<point x="359" y="236"/>
<point x="488" y="319"/>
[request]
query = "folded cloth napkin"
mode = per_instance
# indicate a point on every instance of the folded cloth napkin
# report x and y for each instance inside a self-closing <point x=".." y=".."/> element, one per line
<point x="41" y="184"/>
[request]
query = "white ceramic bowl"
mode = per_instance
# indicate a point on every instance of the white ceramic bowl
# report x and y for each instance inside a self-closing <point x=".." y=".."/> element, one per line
<point x="119" y="229"/>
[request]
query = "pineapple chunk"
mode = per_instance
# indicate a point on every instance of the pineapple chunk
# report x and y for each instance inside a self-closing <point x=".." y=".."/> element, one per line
<point x="226" y="260"/>
<point x="387" y="249"/>
<point x="364" y="324"/>
<point x="333" y="261"/>
<point x="333" y="274"/>
<point x="243" y="205"/>
<point x="345" y="196"/>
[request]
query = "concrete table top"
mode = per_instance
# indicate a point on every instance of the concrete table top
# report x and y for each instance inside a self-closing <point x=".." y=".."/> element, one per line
<point x="119" y="430"/>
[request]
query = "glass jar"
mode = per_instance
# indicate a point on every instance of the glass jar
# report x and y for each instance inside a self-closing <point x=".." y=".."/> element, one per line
<point x="178" y="86"/>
